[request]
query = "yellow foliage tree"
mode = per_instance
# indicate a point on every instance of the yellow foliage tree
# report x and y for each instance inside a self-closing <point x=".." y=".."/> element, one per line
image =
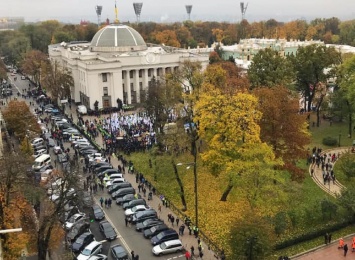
<point x="167" y="37"/>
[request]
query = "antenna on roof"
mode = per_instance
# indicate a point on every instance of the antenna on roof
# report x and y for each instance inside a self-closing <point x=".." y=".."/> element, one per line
<point x="116" y="13"/>
<point x="243" y="9"/>
<point x="138" y="9"/>
<point x="188" y="11"/>
<point x="98" y="10"/>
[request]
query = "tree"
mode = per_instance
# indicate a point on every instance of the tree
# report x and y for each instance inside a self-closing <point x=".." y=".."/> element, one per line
<point x="346" y="91"/>
<point x="3" y="72"/>
<point x="269" y="69"/>
<point x="160" y="100"/>
<point x="33" y="63"/>
<point x="167" y="37"/>
<point x="57" y="80"/>
<point x="229" y="125"/>
<point x="282" y="127"/>
<point x="347" y="165"/>
<point x="20" y="120"/>
<point x="16" y="48"/>
<point x="310" y="66"/>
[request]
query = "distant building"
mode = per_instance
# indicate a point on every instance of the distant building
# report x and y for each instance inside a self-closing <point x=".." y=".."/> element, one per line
<point x="11" y="23"/>
<point x="118" y="64"/>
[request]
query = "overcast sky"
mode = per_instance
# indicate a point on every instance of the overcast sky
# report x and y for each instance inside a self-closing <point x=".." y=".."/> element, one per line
<point x="174" y="10"/>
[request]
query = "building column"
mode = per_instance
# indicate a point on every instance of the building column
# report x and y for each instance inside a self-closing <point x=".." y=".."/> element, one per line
<point x="155" y="73"/>
<point x="145" y="79"/>
<point x="128" y="87"/>
<point x="136" y="85"/>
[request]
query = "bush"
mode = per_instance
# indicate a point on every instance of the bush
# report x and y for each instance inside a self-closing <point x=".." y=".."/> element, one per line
<point x="330" y="141"/>
<point x="311" y="234"/>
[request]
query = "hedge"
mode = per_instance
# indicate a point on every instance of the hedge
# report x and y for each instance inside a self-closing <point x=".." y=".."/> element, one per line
<point x="313" y="234"/>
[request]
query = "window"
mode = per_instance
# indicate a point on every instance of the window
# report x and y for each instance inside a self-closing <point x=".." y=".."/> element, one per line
<point x="131" y="74"/>
<point x="149" y="72"/>
<point x="140" y="85"/>
<point x="140" y="73"/>
<point x="123" y="72"/>
<point x="105" y="91"/>
<point x="104" y="77"/>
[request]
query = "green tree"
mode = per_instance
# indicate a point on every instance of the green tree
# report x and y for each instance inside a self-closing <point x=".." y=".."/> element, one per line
<point x="310" y="66"/>
<point x="33" y="63"/>
<point x="269" y="69"/>
<point x="347" y="165"/>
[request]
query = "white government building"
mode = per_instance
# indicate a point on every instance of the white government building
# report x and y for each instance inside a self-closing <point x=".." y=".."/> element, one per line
<point x="118" y="64"/>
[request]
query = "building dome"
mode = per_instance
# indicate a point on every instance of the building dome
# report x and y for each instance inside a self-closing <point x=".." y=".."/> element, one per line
<point x="117" y="38"/>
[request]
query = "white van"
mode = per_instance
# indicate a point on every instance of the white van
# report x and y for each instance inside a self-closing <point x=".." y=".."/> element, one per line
<point x="82" y="110"/>
<point x="41" y="161"/>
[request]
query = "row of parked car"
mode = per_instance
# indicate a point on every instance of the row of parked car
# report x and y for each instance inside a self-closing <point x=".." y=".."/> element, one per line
<point x="75" y="222"/>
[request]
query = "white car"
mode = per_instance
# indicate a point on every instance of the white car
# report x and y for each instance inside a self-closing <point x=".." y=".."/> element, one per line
<point x="23" y="77"/>
<point x="113" y="177"/>
<point x="91" y="249"/>
<point x="114" y="181"/>
<point x="37" y="141"/>
<point x="73" y="219"/>
<point x="171" y="246"/>
<point x="39" y="152"/>
<point x="131" y="211"/>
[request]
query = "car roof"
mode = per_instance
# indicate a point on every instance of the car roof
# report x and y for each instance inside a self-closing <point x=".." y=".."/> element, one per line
<point x="92" y="244"/>
<point x="173" y="242"/>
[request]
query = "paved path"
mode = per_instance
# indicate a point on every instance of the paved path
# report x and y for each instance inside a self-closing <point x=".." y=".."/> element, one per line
<point x="327" y="252"/>
<point x="330" y="188"/>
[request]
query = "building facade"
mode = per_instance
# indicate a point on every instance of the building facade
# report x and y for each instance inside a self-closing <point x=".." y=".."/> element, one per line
<point x="118" y="64"/>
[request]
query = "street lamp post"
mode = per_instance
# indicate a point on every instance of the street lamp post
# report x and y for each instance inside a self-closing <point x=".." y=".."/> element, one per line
<point x="195" y="186"/>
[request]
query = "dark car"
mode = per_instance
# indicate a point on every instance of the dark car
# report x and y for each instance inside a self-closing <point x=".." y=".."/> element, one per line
<point x="122" y="192"/>
<point x="155" y="230"/>
<point x="126" y="198"/>
<point x="102" y="168"/>
<point x="118" y="252"/>
<point x="51" y="142"/>
<point x="80" y="227"/>
<point x="166" y="235"/>
<point x="117" y="186"/>
<point x="82" y="241"/>
<point x="98" y="212"/>
<point x="108" y="172"/>
<point x="143" y="215"/>
<point x="134" y="203"/>
<point x="148" y="224"/>
<point x="108" y="231"/>
<point x="37" y="148"/>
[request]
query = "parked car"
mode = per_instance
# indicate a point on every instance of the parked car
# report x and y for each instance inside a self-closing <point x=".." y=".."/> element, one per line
<point x="117" y="186"/>
<point x="171" y="246"/>
<point x="91" y="249"/>
<point x="98" y="212"/>
<point x="75" y="218"/>
<point x="98" y="257"/>
<point x="79" y="227"/>
<point x="130" y="211"/>
<point x="111" y="182"/>
<point x="134" y="203"/>
<point x="148" y="224"/>
<point x="122" y="192"/>
<point x="118" y="252"/>
<point x="39" y="152"/>
<point x="127" y="198"/>
<point x="143" y="215"/>
<point x="107" y="230"/>
<point x="82" y="241"/>
<point x="155" y="230"/>
<point x="164" y="236"/>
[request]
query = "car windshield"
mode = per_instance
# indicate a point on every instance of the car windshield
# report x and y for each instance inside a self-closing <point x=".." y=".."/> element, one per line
<point x="153" y="229"/>
<point x="86" y="252"/>
<point x="163" y="246"/>
<point x="79" y="240"/>
<point x="160" y="235"/>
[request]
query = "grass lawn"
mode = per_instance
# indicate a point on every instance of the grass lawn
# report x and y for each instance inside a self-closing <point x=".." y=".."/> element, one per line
<point x="325" y="130"/>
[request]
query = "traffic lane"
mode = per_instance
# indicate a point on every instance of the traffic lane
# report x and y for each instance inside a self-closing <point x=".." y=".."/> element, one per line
<point x="130" y="238"/>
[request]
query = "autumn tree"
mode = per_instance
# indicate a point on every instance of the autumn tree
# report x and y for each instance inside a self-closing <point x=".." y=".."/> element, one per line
<point x="229" y="125"/>
<point x="310" y="66"/>
<point x="270" y="69"/>
<point x="19" y="119"/>
<point x="168" y="38"/>
<point x="33" y="63"/>
<point x="57" y="80"/>
<point x="282" y="127"/>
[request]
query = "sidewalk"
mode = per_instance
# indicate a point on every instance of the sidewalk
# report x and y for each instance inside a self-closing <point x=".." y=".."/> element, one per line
<point x="187" y="240"/>
<point x="327" y="252"/>
<point x="330" y="188"/>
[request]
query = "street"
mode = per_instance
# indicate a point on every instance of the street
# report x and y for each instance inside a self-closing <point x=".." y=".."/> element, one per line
<point x="127" y="236"/>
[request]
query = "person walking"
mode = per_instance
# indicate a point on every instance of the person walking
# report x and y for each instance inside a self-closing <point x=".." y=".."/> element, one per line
<point x="177" y="221"/>
<point x="109" y="202"/>
<point x="159" y="207"/>
<point x="192" y="250"/>
<point x="126" y="221"/>
<point x="188" y="255"/>
<point x="106" y="203"/>
<point x="172" y="219"/>
<point x="101" y="201"/>
<point x="345" y="249"/>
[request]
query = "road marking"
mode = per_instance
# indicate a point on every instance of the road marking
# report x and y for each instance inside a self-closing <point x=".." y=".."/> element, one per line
<point x="14" y="85"/>
<point x="118" y="233"/>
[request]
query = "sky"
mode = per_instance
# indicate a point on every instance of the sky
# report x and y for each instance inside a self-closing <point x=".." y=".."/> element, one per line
<point x="72" y="11"/>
